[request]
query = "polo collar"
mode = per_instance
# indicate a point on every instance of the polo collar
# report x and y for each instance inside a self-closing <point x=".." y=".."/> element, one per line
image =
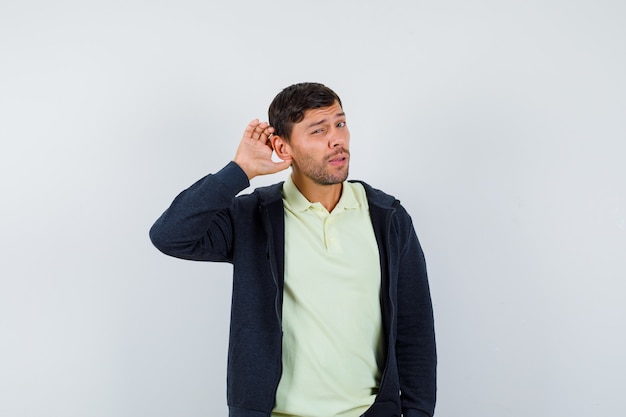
<point x="294" y="199"/>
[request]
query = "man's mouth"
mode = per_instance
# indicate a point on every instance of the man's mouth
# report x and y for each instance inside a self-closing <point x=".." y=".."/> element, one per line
<point x="339" y="157"/>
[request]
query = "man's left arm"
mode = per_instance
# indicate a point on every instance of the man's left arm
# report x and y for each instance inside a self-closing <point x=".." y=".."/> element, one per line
<point x="415" y="348"/>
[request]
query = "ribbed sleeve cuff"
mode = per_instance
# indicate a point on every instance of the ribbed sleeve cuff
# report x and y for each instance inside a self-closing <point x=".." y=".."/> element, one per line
<point x="233" y="177"/>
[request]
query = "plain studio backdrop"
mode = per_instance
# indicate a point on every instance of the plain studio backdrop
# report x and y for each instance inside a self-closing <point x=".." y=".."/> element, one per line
<point x="500" y="125"/>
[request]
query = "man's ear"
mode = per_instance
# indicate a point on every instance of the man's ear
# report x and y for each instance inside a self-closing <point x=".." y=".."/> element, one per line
<point x="281" y="147"/>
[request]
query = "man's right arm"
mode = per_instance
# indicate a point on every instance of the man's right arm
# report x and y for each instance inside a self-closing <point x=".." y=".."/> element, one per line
<point x="198" y="223"/>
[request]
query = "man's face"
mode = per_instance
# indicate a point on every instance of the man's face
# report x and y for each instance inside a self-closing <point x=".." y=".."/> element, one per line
<point x="319" y="146"/>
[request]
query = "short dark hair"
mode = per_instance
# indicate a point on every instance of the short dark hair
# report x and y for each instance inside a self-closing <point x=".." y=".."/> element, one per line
<point x="289" y="105"/>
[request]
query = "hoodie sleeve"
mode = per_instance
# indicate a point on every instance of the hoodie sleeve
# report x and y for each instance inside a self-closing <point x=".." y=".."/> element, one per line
<point x="198" y="224"/>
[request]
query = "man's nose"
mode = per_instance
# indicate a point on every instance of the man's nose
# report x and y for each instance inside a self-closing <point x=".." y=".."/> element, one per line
<point x="338" y="138"/>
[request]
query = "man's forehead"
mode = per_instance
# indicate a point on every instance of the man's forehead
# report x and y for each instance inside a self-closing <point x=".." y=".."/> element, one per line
<point x="333" y="110"/>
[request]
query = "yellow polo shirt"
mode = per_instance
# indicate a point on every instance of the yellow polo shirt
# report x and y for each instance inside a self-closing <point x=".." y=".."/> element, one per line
<point x="332" y="324"/>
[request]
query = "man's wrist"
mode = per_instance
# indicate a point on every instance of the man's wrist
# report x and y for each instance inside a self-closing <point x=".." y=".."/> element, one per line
<point x="245" y="170"/>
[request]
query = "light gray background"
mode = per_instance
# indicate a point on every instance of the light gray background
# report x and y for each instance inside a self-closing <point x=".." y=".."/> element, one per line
<point x="499" y="124"/>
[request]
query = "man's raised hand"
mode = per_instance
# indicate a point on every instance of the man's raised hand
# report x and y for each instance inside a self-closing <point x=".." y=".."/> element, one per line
<point x="254" y="154"/>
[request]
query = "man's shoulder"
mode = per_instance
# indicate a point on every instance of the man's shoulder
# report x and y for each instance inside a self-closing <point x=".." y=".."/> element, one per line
<point x="263" y="195"/>
<point x="377" y="196"/>
<point x="381" y="202"/>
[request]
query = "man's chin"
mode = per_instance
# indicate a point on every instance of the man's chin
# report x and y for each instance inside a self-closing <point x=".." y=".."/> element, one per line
<point x="334" y="180"/>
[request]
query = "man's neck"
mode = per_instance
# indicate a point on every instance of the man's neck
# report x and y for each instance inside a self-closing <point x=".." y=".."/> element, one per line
<point x="327" y="195"/>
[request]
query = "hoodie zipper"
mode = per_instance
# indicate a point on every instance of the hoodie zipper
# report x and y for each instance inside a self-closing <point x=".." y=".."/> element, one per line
<point x="271" y="256"/>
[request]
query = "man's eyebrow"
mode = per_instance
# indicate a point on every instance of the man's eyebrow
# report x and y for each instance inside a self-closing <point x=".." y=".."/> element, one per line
<point x="321" y="122"/>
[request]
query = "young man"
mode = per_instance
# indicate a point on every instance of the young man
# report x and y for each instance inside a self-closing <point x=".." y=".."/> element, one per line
<point x="331" y="310"/>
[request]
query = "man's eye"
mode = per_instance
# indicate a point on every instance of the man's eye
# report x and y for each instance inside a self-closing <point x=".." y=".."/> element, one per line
<point x="341" y="124"/>
<point x="317" y="131"/>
